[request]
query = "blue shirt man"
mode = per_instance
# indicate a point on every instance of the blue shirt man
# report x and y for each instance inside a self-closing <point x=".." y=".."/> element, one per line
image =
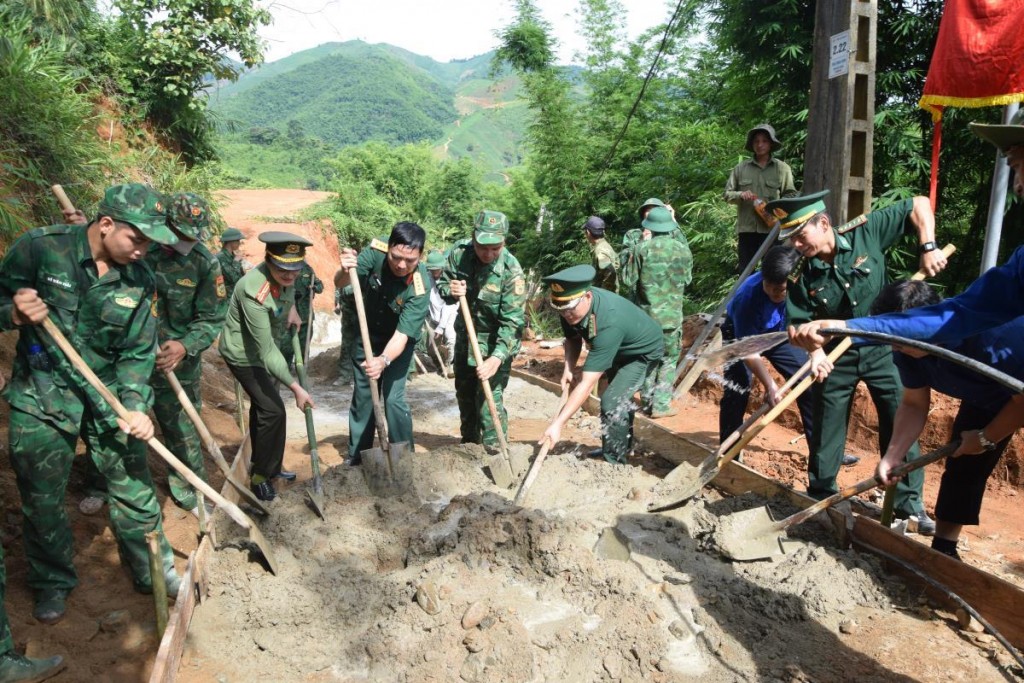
<point x="758" y="307"/>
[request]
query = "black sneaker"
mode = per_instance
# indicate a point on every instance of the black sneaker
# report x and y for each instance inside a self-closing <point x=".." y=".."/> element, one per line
<point x="286" y="475"/>
<point x="850" y="460"/>
<point x="925" y="524"/>
<point x="15" y="667"/>
<point x="51" y="605"/>
<point x="596" y="453"/>
<point x="264" y="491"/>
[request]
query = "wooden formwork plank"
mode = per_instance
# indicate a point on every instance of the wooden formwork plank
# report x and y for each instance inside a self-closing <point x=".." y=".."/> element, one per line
<point x="999" y="601"/>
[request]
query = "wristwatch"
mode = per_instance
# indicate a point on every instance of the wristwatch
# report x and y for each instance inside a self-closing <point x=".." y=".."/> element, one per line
<point x="926" y="247"/>
<point x="387" y="361"/>
<point x="985" y="443"/>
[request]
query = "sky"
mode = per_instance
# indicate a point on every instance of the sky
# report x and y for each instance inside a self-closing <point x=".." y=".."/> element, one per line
<point x="441" y="29"/>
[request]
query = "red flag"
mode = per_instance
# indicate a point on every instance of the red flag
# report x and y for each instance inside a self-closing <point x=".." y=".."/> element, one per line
<point x="979" y="56"/>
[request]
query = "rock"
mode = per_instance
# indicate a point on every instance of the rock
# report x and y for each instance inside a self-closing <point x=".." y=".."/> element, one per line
<point x="487" y="622"/>
<point x="637" y="493"/>
<point x="472" y="669"/>
<point x="612" y="663"/>
<point x="967" y="622"/>
<point x="848" y="626"/>
<point x="475" y="613"/>
<point x="115" y="622"/>
<point x="679" y="629"/>
<point x="474" y="641"/>
<point x="427" y="597"/>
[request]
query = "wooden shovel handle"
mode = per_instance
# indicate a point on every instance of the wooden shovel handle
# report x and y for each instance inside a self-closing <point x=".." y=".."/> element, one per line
<point x="486" y="384"/>
<point x="62" y="198"/>
<point x="539" y="460"/>
<point x="867" y="484"/>
<point x="191" y="477"/>
<point x="765" y="407"/>
<point x="378" y="405"/>
<point x="197" y="421"/>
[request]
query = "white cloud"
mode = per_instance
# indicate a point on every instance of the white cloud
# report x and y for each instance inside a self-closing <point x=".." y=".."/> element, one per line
<point x="441" y="29"/>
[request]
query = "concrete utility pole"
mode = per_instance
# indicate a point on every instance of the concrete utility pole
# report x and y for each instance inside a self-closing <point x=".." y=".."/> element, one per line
<point x="840" y="122"/>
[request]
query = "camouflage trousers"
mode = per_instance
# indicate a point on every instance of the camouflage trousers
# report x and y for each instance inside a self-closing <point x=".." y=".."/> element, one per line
<point x="6" y="640"/>
<point x="349" y="339"/>
<point x="41" y="457"/>
<point x="618" y="407"/>
<point x="657" y="391"/>
<point x="477" y="426"/>
<point x="179" y="435"/>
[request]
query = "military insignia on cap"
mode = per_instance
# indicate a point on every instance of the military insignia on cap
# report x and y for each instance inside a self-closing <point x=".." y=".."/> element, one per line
<point x="291" y="249"/>
<point x="492" y="220"/>
<point x="555" y="287"/>
<point x="159" y="206"/>
<point x="197" y="212"/>
<point x="126" y="301"/>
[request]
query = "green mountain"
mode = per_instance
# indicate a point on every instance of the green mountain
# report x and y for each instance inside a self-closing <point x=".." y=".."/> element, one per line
<point x="352" y="92"/>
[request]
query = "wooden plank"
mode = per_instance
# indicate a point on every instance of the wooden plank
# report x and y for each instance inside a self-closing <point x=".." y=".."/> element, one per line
<point x="165" y="668"/>
<point x="999" y="601"/>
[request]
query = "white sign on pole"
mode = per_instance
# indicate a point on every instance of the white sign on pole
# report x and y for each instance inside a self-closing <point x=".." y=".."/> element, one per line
<point x="839" y="54"/>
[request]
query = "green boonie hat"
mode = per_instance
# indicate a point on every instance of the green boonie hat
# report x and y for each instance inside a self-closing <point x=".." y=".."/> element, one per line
<point x="231" y="235"/>
<point x="490" y="227"/>
<point x="659" y="221"/>
<point x="793" y="212"/>
<point x="767" y="130"/>
<point x="569" y="285"/>
<point x="653" y="201"/>
<point x="435" y="260"/>
<point x="140" y="206"/>
<point x="286" y="251"/>
<point x="189" y="215"/>
<point x="1002" y="136"/>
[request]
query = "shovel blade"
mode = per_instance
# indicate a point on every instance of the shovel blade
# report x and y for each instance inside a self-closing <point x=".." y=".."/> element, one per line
<point x="386" y="474"/>
<point x="248" y="496"/>
<point x="681" y="485"/>
<point x="263" y="546"/>
<point x="749" y="535"/>
<point x="316" y="499"/>
<point x="501" y="470"/>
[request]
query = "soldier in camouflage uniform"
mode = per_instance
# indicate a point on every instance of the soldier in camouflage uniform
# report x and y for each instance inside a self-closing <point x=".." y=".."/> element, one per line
<point x="664" y="267"/>
<point x="606" y="261"/>
<point x="492" y="281"/>
<point x="395" y="287"/>
<point x="89" y="281"/>
<point x="306" y="287"/>
<point x="628" y="271"/>
<point x="345" y="305"/>
<point x="15" y="667"/>
<point x="228" y="258"/>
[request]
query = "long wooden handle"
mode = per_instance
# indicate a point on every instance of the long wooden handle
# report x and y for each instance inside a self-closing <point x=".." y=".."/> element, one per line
<point x="539" y="460"/>
<point x="197" y="421"/>
<point x="475" y="345"/>
<point x="437" y="352"/>
<point x="378" y="405"/>
<point x="191" y="477"/>
<point x="62" y="198"/>
<point x="867" y="484"/>
<point x="765" y="407"/>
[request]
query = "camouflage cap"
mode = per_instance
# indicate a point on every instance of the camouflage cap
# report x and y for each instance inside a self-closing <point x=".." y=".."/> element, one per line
<point x="1002" y="136"/>
<point x="231" y="235"/>
<point x="140" y="206"/>
<point x="659" y="220"/>
<point x="652" y="202"/>
<point x="490" y="227"/>
<point x="189" y="215"/>
<point x="435" y="260"/>
<point x="569" y="285"/>
<point x="286" y="251"/>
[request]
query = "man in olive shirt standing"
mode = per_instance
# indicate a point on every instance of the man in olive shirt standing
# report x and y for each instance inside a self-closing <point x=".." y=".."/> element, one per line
<point x="259" y="309"/>
<point x="625" y="343"/>
<point x="489" y="276"/>
<point x="396" y="296"/>
<point x="760" y="177"/>
<point x="229" y="258"/>
<point x="606" y="261"/>
<point x="840" y="273"/>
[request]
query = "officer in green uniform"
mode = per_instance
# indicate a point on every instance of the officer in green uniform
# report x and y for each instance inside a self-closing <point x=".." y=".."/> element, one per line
<point x="258" y="310"/>
<point x="840" y="273"/>
<point x="89" y="280"/>
<point x="395" y="287"/>
<point x="491" y="279"/>
<point x="624" y="342"/>
<point x="606" y="261"/>
<point x="229" y="258"/>
<point x="306" y="287"/>
<point x="664" y="267"/>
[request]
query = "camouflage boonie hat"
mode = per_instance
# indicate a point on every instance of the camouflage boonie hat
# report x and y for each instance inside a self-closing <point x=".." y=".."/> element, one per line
<point x="652" y="202"/>
<point x="189" y="215"/>
<point x="286" y="251"/>
<point x="490" y="227"/>
<point x="659" y="221"/>
<point x="435" y="260"/>
<point x="140" y="206"/>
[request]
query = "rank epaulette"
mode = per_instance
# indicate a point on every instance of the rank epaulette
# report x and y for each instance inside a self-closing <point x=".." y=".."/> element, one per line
<point x="853" y="224"/>
<point x="263" y="292"/>
<point x="379" y="245"/>
<point x="797" y="270"/>
<point x="417" y="284"/>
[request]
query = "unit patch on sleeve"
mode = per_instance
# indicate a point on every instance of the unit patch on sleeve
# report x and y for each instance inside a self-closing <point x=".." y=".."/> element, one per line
<point x="222" y="291"/>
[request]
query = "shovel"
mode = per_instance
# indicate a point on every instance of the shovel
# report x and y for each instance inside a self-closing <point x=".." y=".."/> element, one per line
<point x="211" y="443"/>
<point x="316" y="494"/>
<point x="684" y="379"/>
<point x="380" y="462"/>
<point x="754" y="535"/>
<point x="232" y="510"/>
<point x="500" y="465"/>
<point x="539" y="460"/>
<point x="442" y="366"/>
<point x="714" y="463"/>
